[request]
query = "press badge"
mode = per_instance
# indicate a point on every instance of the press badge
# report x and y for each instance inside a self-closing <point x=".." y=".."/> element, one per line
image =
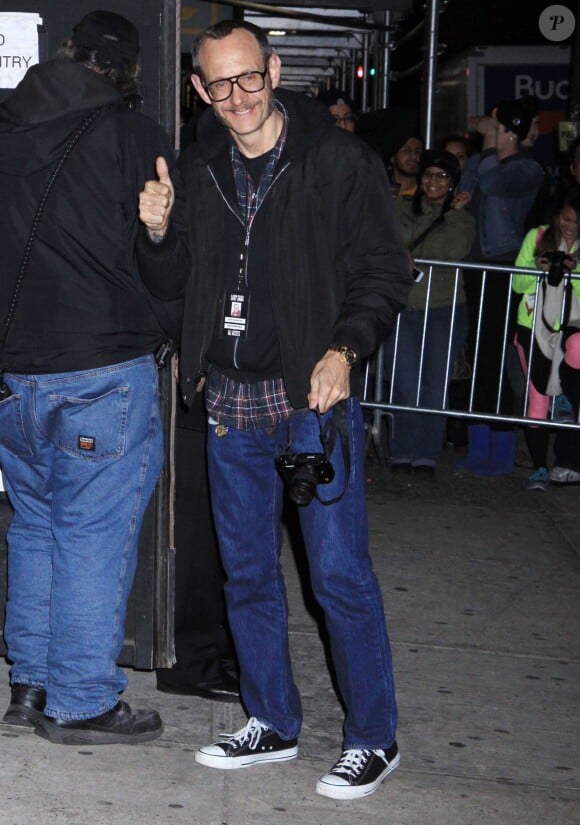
<point x="236" y="312"/>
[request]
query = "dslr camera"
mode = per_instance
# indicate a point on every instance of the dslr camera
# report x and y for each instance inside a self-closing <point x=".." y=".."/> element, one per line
<point x="303" y="472"/>
<point x="556" y="258"/>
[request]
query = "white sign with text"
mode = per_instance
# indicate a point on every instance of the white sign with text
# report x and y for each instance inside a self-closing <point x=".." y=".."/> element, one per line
<point x="18" y="46"/>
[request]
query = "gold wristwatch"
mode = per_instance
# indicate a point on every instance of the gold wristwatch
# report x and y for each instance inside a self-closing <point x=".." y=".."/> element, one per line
<point x="347" y="355"/>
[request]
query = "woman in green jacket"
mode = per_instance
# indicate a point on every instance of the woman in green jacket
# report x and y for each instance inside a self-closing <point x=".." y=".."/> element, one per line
<point x="555" y="362"/>
<point x="434" y="224"/>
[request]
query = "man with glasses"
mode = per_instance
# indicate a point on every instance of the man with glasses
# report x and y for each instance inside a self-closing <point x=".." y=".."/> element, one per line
<point x="288" y="220"/>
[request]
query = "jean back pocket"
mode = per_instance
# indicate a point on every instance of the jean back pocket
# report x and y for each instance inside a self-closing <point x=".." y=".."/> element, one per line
<point x="92" y="429"/>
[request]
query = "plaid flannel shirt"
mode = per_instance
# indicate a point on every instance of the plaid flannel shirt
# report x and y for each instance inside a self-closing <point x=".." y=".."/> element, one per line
<point x="263" y="403"/>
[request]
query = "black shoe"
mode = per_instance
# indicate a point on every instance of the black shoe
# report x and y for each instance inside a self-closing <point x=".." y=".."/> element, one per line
<point x="223" y="688"/>
<point x="253" y="744"/>
<point x="401" y="467"/>
<point x="424" y="470"/>
<point x="119" y="726"/>
<point x="358" y="773"/>
<point x="26" y="706"/>
<point x="229" y="666"/>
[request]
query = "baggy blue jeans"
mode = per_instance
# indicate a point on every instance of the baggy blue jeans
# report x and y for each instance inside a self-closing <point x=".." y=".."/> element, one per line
<point x="247" y="498"/>
<point x="80" y="453"/>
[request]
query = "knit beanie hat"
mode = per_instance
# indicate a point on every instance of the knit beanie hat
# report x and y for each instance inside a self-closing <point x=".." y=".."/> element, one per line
<point x="442" y="160"/>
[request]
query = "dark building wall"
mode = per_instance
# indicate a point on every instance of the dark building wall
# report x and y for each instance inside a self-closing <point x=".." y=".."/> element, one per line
<point x="156" y="24"/>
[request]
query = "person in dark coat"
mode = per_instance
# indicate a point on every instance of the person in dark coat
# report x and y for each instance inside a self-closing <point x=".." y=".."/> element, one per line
<point x="80" y="432"/>
<point x="284" y="241"/>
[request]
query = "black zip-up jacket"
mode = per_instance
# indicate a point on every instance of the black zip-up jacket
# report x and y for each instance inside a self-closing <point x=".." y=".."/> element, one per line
<point x="83" y="304"/>
<point x="338" y="271"/>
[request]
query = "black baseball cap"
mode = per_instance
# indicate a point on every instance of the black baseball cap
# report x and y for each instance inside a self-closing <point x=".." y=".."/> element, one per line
<point x="113" y="37"/>
<point x="515" y="116"/>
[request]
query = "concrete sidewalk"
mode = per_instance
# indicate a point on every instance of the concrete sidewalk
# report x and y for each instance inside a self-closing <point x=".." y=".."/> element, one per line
<point x="480" y="581"/>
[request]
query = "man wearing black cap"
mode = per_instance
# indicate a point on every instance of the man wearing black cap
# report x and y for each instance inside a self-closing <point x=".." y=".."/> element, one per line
<point x="503" y="182"/>
<point x="80" y="431"/>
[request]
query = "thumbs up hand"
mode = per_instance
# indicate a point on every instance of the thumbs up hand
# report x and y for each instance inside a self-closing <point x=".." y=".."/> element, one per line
<point x="156" y="201"/>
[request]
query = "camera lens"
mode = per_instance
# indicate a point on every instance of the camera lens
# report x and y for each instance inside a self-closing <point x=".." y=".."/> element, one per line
<point x="301" y="491"/>
<point x="302" y="488"/>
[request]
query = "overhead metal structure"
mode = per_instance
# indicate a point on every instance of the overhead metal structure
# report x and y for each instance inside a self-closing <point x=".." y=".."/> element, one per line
<point x="323" y="42"/>
<point x="321" y="45"/>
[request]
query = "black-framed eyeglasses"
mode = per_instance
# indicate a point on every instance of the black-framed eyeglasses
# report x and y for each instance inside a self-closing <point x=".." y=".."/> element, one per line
<point x="219" y="90"/>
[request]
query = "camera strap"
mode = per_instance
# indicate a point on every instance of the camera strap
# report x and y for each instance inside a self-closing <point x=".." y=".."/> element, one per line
<point x="420" y="238"/>
<point x="335" y="427"/>
<point x="75" y="137"/>
<point x="563" y="295"/>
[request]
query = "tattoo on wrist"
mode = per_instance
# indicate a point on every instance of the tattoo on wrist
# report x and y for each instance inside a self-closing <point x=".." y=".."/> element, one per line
<point x="156" y="236"/>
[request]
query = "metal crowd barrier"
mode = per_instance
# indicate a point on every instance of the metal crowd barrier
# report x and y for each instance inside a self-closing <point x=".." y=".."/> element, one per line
<point x="379" y="382"/>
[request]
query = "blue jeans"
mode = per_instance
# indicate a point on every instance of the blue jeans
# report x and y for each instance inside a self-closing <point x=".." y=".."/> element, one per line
<point x="419" y="437"/>
<point x="247" y="497"/>
<point x="80" y="454"/>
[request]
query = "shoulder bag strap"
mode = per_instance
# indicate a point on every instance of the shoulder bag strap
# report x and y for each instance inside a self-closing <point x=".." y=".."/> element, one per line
<point x="420" y="238"/>
<point x="75" y="137"/>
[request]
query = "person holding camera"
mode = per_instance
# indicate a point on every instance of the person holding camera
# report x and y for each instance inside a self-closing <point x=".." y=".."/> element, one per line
<point x="434" y="224"/>
<point x="548" y="337"/>
<point x="277" y="210"/>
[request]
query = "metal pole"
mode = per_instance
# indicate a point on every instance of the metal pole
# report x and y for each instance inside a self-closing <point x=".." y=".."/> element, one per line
<point x="574" y="96"/>
<point x="431" y="46"/>
<point x="353" y="58"/>
<point x="377" y="64"/>
<point x="385" y="80"/>
<point x="365" y="87"/>
<point x="169" y="68"/>
<point x="343" y="75"/>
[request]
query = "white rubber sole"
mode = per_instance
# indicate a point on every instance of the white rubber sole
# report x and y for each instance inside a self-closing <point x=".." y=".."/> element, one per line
<point x="232" y="763"/>
<point x="345" y="792"/>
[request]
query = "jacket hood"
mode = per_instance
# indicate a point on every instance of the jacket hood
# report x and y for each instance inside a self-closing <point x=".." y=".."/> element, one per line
<point x="43" y="110"/>
<point x="313" y="121"/>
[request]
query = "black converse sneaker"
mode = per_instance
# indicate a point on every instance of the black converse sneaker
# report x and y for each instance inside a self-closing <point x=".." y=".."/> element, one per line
<point x="358" y="773"/>
<point x="254" y="743"/>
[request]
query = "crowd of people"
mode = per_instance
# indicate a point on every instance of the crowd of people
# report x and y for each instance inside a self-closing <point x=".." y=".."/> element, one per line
<point x="490" y="207"/>
<point x="285" y="248"/>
